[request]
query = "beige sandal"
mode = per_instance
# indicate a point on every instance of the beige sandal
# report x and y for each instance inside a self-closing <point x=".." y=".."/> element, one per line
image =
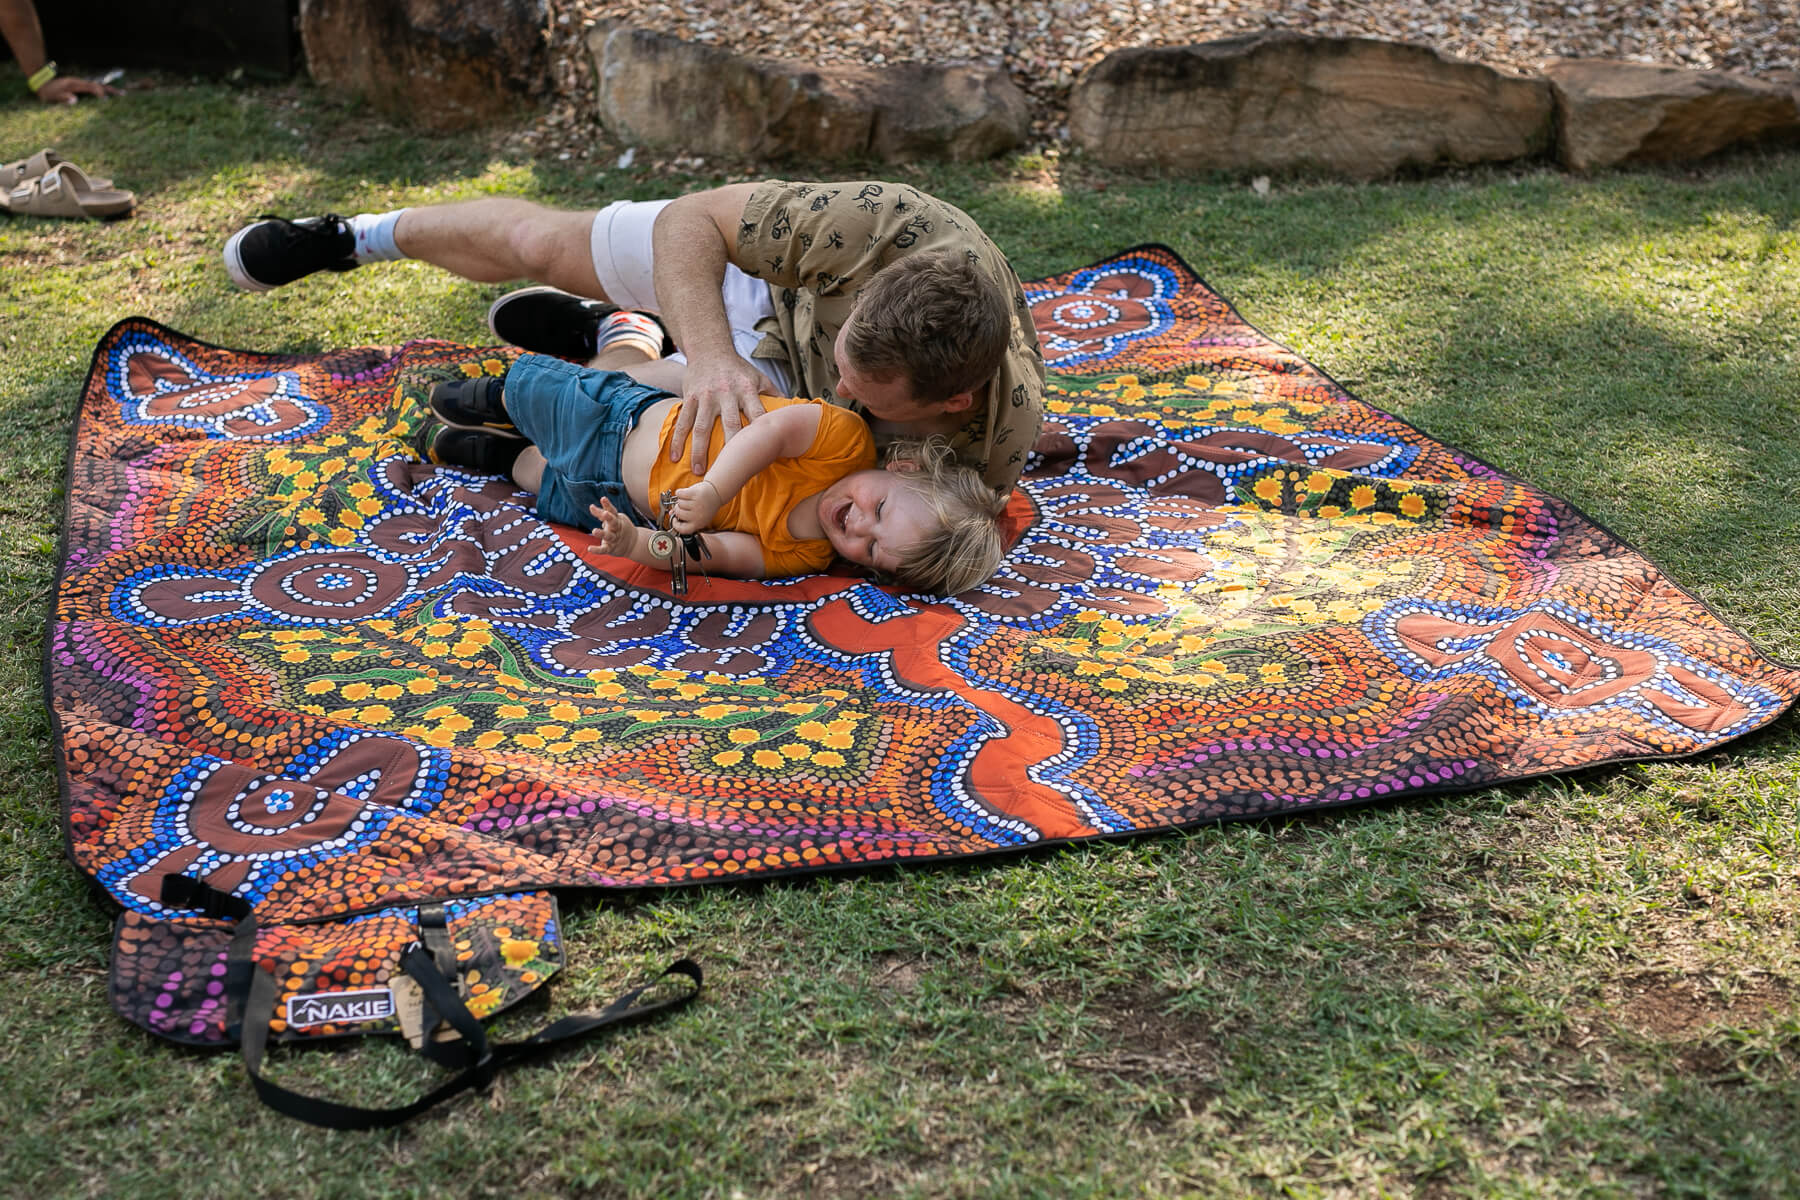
<point x="66" y="191"/>
<point x="14" y="173"/>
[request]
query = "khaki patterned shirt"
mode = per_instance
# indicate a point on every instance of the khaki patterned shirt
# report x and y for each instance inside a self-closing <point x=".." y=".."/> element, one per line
<point x="816" y="244"/>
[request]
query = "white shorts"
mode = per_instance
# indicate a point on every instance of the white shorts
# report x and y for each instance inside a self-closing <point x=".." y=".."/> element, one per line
<point x="623" y="260"/>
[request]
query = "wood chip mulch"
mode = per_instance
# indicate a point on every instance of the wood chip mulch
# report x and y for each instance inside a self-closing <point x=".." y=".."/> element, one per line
<point x="1045" y="44"/>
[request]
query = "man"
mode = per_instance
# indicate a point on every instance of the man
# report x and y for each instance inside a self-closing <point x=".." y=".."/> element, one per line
<point x="25" y="37"/>
<point x="877" y="294"/>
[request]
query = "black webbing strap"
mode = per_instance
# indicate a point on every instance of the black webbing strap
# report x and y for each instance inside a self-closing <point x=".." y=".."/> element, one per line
<point x="253" y="993"/>
<point x="434" y="934"/>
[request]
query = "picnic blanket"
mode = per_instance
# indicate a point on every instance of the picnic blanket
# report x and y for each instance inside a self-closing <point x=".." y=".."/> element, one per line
<point x="370" y="701"/>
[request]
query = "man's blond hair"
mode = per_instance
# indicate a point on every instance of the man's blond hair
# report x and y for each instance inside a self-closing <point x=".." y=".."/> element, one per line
<point x="964" y="548"/>
<point x="935" y="318"/>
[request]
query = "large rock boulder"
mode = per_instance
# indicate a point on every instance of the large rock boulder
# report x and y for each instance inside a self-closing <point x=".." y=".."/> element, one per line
<point x="1276" y="101"/>
<point x="441" y="64"/>
<point x="1621" y="112"/>
<point x="660" y="91"/>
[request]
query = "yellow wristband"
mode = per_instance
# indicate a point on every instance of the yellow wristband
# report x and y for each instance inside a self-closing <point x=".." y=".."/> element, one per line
<point x="41" y="76"/>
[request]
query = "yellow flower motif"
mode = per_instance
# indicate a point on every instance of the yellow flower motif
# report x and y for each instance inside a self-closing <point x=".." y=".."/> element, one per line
<point x="564" y="711"/>
<point x="690" y="691"/>
<point x="421" y="685"/>
<point x="376" y="714"/>
<point x="468" y="646"/>
<point x="767" y="758"/>
<point x="343" y="655"/>
<point x="799" y="708"/>
<point x="493" y="366"/>
<point x="358" y="691"/>
<point x="1319" y="481"/>
<point x="1268" y="489"/>
<point x="456" y="724"/>
<point x="713" y="712"/>
<point x="340" y="537"/>
<point x="647" y="714"/>
<point x="530" y="741"/>
<point x="1330" y="511"/>
<point x="641" y="669"/>
<point x="1362" y="496"/>
<point x="744" y="737"/>
<point x="517" y="952"/>
<point x="310" y="515"/>
<point x="512" y="681"/>
<point x="1114" y="685"/>
<point x="472" y="370"/>
<point x="1059" y="407"/>
<point x="839" y="741"/>
<point x="513" y="711"/>
<point x="610" y="691"/>
<point x="296" y="654"/>
<point x="315" y="687"/>
<point x="585" y="735"/>
<point x="489" y="739"/>
<point x="828" y="758"/>
<point x="362" y="489"/>
<point x="552" y="731"/>
<point x="728" y="758"/>
<point x="796" y="750"/>
<point x="1089" y="668"/>
<point x="1196" y="383"/>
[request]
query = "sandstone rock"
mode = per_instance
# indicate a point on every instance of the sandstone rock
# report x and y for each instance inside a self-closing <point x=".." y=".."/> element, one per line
<point x="441" y="64"/>
<point x="1276" y="101"/>
<point x="657" y="90"/>
<point x="1621" y="112"/>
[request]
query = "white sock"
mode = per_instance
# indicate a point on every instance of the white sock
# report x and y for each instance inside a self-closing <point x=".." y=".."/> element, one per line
<point x="375" y="236"/>
<point x="637" y="330"/>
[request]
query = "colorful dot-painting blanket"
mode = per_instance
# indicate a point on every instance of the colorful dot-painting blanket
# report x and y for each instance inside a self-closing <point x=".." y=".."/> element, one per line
<point x="294" y="662"/>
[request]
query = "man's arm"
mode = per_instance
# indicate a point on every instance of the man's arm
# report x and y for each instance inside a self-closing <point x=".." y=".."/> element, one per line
<point x="19" y="26"/>
<point x="693" y="239"/>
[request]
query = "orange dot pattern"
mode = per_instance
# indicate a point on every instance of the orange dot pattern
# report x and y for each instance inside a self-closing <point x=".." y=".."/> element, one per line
<point x="293" y="661"/>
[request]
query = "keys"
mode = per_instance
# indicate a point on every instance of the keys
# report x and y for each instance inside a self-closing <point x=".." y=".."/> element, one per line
<point x="666" y="544"/>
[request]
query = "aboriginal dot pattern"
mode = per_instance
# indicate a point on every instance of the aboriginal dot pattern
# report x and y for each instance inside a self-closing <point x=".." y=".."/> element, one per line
<point x="295" y="662"/>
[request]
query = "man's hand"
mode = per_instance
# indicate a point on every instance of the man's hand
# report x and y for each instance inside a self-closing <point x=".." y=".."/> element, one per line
<point x="695" y="507"/>
<point x="614" y="534"/>
<point x="726" y="390"/>
<point x="67" y="89"/>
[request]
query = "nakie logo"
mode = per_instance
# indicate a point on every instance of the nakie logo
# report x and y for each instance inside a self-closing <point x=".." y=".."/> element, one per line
<point x="339" y="1008"/>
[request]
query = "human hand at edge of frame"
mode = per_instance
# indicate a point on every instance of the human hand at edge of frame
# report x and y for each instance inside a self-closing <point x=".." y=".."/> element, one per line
<point x="67" y="89"/>
<point x="696" y="506"/>
<point x="726" y="390"/>
<point x="614" y="535"/>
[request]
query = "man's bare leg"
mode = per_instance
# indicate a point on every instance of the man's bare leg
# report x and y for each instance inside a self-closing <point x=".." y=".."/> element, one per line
<point x="489" y="240"/>
<point x="500" y="238"/>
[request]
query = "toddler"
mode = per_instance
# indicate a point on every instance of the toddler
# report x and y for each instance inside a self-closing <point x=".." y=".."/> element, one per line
<point x="792" y="489"/>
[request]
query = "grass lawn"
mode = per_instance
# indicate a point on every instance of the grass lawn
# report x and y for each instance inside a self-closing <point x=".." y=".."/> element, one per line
<point x="1587" y="986"/>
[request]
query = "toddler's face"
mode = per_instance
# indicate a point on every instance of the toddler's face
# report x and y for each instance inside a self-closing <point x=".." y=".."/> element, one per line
<point x="874" y="517"/>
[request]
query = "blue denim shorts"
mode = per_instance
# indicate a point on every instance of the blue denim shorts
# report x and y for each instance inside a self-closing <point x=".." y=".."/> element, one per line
<point x="578" y="418"/>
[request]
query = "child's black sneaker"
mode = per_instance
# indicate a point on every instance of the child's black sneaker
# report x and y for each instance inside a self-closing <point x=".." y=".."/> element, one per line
<point x="448" y="446"/>
<point x="472" y="403"/>
<point x="275" y="251"/>
<point x="547" y="320"/>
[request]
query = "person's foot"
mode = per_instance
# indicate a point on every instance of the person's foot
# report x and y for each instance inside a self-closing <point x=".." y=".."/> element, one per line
<point x="448" y="446"/>
<point x="547" y="320"/>
<point x="472" y="404"/>
<point x="275" y="251"/>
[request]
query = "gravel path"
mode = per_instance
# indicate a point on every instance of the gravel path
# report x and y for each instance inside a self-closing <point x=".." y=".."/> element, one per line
<point x="1045" y="44"/>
